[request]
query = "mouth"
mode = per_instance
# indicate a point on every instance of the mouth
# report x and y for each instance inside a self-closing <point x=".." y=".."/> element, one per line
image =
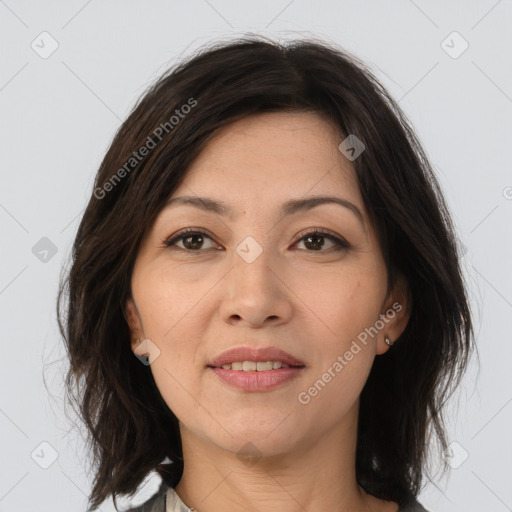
<point x="255" y="359"/>
<point x="251" y="369"/>
<point x="256" y="366"/>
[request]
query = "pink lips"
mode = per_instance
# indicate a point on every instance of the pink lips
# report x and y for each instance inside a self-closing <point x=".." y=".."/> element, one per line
<point x="254" y="380"/>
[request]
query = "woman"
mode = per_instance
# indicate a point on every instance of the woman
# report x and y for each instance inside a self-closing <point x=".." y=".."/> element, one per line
<point x="265" y="303"/>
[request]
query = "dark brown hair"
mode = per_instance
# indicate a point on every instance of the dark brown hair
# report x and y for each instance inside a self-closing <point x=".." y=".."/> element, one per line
<point x="131" y="429"/>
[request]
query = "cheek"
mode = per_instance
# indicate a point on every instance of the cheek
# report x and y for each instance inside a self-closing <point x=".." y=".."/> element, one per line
<point x="332" y="393"/>
<point x="170" y="309"/>
<point x="172" y="382"/>
<point x="344" y="302"/>
<point x="168" y="294"/>
<point x="179" y="370"/>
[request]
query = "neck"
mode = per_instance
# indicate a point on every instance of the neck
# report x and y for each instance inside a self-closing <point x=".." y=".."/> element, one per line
<point x="318" y="475"/>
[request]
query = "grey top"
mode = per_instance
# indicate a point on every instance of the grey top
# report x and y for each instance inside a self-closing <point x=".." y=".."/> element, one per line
<point x="167" y="500"/>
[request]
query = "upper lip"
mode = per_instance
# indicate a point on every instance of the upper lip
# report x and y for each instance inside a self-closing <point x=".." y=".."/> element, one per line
<point x="254" y="354"/>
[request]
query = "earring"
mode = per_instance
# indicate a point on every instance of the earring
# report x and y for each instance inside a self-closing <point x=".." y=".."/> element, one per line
<point x="388" y="342"/>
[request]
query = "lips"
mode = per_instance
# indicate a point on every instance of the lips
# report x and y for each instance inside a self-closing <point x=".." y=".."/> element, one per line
<point x="238" y="354"/>
<point x="261" y="380"/>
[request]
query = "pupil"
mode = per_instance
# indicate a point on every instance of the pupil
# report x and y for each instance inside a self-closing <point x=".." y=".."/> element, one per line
<point x="317" y="238"/>
<point x="187" y="241"/>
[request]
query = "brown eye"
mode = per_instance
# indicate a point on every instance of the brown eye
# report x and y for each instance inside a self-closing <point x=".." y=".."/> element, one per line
<point x="193" y="240"/>
<point x="315" y="242"/>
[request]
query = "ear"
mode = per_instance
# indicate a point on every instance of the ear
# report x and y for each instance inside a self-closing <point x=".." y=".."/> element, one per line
<point x="395" y="315"/>
<point x="134" y="323"/>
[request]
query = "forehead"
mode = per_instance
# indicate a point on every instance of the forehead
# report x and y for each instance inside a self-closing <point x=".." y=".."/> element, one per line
<point x="291" y="152"/>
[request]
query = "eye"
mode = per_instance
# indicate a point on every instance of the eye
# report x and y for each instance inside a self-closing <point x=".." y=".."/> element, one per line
<point x="192" y="238"/>
<point x="314" y="241"/>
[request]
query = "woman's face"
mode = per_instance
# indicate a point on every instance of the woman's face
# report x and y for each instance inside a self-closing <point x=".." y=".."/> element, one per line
<point x="258" y="276"/>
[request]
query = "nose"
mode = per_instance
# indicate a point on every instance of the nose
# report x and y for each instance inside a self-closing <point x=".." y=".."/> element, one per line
<point x="255" y="294"/>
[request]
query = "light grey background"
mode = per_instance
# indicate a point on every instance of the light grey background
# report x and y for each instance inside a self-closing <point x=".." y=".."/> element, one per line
<point x="59" y="114"/>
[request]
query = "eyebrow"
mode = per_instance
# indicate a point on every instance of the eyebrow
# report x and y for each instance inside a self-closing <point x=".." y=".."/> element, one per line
<point x="289" y="208"/>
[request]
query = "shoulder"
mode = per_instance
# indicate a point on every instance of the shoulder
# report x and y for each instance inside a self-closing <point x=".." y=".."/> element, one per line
<point x="155" y="504"/>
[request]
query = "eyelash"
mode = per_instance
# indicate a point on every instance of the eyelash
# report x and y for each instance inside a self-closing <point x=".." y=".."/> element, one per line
<point x="340" y="243"/>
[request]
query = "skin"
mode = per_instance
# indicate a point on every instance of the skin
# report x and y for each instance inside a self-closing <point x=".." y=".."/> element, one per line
<point x="192" y="306"/>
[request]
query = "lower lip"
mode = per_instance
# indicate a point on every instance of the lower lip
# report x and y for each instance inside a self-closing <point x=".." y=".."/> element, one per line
<point x="257" y="381"/>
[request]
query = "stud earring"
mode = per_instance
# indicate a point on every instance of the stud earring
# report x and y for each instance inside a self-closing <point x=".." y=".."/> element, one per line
<point x="388" y="342"/>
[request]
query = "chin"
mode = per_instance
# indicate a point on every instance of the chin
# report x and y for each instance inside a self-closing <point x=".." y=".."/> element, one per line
<point x="259" y="438"/>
